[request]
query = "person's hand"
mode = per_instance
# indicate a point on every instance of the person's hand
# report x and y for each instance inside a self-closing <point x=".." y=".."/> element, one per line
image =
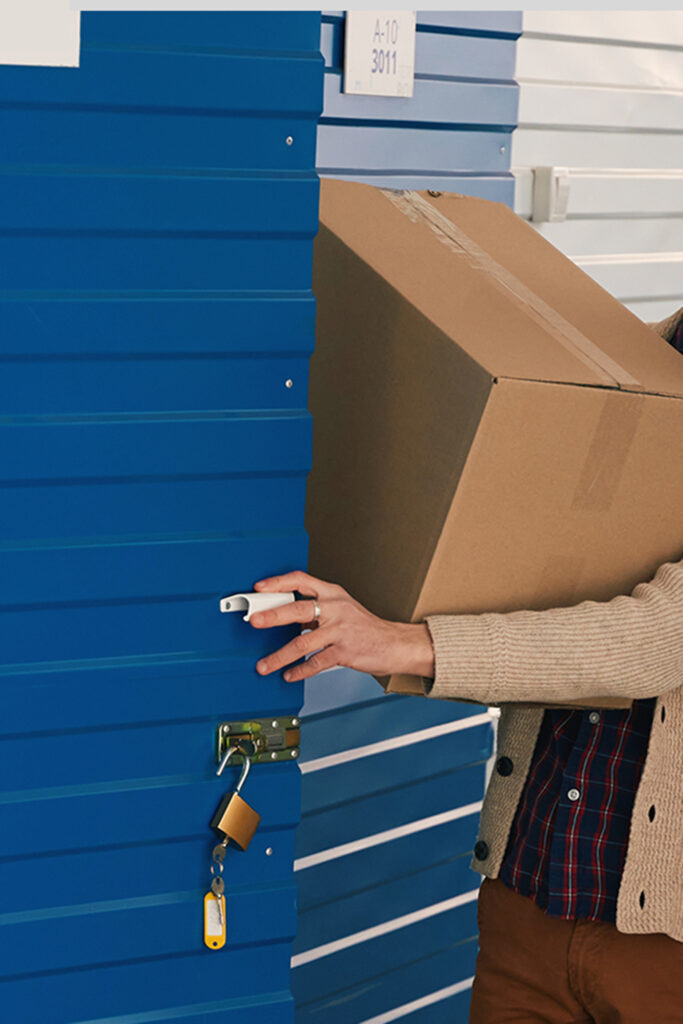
<point x="344" y="634"/>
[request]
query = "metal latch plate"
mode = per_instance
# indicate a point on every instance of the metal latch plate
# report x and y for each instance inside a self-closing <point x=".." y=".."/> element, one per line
<point x="267" y="740"/>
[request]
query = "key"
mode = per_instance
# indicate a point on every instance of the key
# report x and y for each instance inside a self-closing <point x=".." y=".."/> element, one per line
<point x="218" y="889"/>
<point x="218" y="855"/>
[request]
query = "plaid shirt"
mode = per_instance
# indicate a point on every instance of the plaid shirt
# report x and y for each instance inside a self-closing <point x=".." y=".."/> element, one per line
<point x="568" y="840"/>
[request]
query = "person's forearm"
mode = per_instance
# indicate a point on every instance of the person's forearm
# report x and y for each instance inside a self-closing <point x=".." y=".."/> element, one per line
<point x="630" y="647"/>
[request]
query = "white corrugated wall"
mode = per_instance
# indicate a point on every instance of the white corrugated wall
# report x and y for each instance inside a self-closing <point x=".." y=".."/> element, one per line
<point x="602" y="95"/>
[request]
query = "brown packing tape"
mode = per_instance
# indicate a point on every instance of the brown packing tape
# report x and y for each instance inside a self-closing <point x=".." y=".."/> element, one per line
<point x="417" y="208"/>
<point x="606" y="458"/>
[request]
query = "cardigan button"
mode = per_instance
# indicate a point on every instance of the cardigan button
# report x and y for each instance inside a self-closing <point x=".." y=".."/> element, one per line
<point x="504" y="766"/>
<point x="481" y="849"/>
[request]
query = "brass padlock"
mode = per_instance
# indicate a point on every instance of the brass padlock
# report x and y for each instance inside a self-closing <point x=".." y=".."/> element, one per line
<point x="234" y="818"/>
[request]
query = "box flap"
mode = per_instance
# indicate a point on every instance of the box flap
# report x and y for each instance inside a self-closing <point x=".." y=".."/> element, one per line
<point x="515" y="246"/>
<point x="439" y="253"/>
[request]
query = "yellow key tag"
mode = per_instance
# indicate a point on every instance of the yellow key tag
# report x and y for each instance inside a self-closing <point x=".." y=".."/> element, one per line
<point x="214" y="921"/>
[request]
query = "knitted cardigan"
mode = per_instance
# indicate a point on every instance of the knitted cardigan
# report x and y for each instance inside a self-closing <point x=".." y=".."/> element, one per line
<point x="631" y="646"/>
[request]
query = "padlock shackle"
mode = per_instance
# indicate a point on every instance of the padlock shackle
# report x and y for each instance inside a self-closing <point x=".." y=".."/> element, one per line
<point x="245" y="771"/>
<point x="226" y="757"/>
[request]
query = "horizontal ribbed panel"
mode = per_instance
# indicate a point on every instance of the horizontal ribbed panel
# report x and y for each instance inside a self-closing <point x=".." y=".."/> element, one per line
<point x="418" y="990"/>
<point x="453" y="134"/>
<point x="601" y="96"/>
<point x="392" y="789"/>
<point x="156" y="321"/>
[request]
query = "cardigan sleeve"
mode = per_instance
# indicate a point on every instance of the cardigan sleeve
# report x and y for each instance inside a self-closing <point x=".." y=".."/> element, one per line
<point x="631" y="646"/>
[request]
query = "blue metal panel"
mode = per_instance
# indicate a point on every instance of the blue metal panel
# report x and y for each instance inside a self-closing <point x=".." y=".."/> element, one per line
<point x="372" y="867"/>
<point x="453" y="134"/>
<point x="364" y="963"/>
<point x="106" y="993"/>
<point x="397" y="767"/>
<point x="155" y="238"/>
<point x="454" y="1009"/>
<point x="402" y="146"/>
<point x="411" y="981"/>
<point x="480" y="185"/>
<point x="425" y="886"/>
<point x="449" y="105"/>
<point x="324" y="826"/>
<point x="110" y="136"/>
<point x="492" y="24"/>
<point x="262" y="33"/>
<point x="132" y="327"/>
<point x="353" y="876"/>
<point x="383" y="718"/>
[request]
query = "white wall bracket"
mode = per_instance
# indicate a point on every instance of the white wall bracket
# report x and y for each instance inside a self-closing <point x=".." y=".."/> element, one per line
<point x="551" y="194"/>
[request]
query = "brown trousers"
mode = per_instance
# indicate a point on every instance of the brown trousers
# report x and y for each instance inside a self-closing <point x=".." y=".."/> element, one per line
<point x="534" y="969"/>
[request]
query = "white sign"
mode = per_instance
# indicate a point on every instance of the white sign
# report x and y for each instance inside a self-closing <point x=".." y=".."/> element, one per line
<point x="379" y="53"/>
<point x="39" y="32"/>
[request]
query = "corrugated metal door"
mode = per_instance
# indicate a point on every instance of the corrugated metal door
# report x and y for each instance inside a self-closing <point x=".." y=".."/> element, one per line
<point x="393" y="785"/>
<point x="453" y="133"/>
<point x="157" y="212"/>
<point x="602" y="96"/>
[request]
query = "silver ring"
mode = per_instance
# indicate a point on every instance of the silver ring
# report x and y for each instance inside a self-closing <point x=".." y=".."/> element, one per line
<point x="316" y="610"/>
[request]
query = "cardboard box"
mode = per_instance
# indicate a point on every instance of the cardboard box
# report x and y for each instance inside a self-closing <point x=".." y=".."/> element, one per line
<point x="492" y="430"/>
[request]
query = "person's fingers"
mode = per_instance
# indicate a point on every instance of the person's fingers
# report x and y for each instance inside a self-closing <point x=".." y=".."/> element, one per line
<point x="297" y="648"/>
<point x="306" y="584"/>
<point x="326" y="658"/>
<point x="298" y="611"/>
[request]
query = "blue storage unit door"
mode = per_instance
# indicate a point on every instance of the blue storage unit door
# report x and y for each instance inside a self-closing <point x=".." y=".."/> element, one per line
<point x="393" y="785"/>
<point x="453" y="134"/>
<point x="157" y="211"/>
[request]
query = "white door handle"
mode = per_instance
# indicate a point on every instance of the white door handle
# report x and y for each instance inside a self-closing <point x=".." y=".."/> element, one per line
<point x="254" y="603"/>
